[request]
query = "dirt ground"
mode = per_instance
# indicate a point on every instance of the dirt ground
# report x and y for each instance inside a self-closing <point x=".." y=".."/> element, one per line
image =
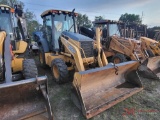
<point x="142" y="106"/>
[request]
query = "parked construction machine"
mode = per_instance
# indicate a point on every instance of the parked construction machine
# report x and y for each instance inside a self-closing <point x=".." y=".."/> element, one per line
<point x="97" y="84"/>
<point x="23" y="95"/>
<point x="139" y="32"/>
<point x="150" y="46"/>
<point x="119" y="49"/>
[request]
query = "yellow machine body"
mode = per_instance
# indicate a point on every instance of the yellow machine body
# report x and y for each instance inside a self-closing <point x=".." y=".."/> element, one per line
<point x="126" y="46"/>
<point x="97" y="89"/>
<point x="150" y="44"/>
<point x="19" y="98"/>
<point x="21" y="47"/>
<point x="17" y="63"/>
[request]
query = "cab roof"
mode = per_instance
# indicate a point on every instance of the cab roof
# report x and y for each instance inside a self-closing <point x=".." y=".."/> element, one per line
<point x="47" y="12"/>
<point x="6" y="6"/>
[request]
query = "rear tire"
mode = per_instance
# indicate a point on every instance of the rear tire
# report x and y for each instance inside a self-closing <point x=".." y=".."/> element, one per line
<point x="29" y="69"/>
<point x="119" y="58"/>
<point x="59" y="71"/>
<point x="150" y="53"/>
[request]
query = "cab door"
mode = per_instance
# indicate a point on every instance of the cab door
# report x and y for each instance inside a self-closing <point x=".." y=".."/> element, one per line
<point x="47" y="30"/>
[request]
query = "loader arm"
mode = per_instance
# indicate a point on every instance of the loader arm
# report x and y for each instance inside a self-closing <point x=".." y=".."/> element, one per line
<point x="102" y="61"/>
<point x="75" y="52"/>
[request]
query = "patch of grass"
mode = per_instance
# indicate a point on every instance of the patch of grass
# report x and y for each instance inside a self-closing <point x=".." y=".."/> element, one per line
<point x="64" y="109"/>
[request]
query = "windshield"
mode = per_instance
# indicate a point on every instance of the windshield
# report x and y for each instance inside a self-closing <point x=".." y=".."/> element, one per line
<point x="113" y="29"/>
<point x="5" y="21"/>
<point x="61" y="22"/>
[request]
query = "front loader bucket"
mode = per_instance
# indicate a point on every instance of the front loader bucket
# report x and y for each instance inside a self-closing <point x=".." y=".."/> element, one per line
<point x="20" y="100"/>
<point x="150" y="68"/>
<point x="99" y="89"/>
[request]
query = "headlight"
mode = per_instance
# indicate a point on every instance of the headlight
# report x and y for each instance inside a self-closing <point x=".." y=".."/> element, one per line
<point x="2" y="8"/>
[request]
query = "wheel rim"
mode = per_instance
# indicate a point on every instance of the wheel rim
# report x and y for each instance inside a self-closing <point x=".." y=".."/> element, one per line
<point x="55" y="72"/>
<point x="40" y="58"/>
<point x="117" y="60"/>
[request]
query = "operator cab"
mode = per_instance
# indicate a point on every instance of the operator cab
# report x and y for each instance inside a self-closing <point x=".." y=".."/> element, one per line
<point x="8" y="23"/>
<point x="54" y="23"/>
<point x="5" y="20"/>
<point x="109" y="27"/>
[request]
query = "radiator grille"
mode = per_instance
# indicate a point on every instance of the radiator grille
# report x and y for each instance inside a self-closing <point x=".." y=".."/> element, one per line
<point x="87" y="46"/>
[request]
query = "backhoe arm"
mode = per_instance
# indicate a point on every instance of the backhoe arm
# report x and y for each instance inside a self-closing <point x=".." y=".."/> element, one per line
<point x="117" y="46"/>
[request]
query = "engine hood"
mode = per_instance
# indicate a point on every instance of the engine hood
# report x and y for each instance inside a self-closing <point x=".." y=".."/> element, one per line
<point x="76" y="36"/>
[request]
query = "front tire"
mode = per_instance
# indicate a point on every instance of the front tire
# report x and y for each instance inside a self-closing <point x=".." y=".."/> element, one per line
<point x="59" y="71"/>
<point x="119" y="58"/>
<point x="29" y="69"/>
<point x="150" y="53"/>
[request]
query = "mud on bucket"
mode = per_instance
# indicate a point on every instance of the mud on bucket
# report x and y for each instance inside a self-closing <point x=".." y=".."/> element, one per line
<point x="99" y="89"/>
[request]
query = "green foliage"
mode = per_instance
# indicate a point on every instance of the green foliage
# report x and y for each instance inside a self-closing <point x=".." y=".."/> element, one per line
<point x="12" y="2"/>
<point x="98" y="18"/>
<point x="82" y="20"/>
<point x="32" y="23"/>
<point x="130" y="18"/>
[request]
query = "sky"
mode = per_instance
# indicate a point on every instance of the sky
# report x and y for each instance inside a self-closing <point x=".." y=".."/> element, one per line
<point x="149" y="10"/>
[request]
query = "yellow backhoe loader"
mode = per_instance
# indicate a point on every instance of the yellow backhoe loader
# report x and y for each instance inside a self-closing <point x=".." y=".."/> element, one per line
<point x="139" y="32"/>
<point x="121" y="49"/>
<point x="97" y="84"/>
<point x="23" y="95"/>
<point x="149" y="46"/>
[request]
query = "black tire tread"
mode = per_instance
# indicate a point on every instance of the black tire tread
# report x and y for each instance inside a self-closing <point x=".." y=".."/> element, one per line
<point x="63" y="71"/>
<point x="29" y="69"/>
<point x="121" y="56"/>
<point x="150" y="53"/>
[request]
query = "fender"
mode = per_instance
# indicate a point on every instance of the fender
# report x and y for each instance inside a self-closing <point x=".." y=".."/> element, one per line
<point x="38" y="37"/>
